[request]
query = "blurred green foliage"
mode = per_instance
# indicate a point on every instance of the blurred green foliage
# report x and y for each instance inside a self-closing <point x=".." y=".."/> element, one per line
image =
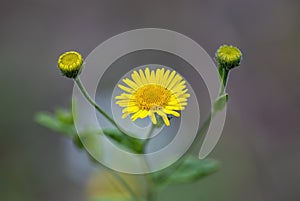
<point x="188" y="169"/>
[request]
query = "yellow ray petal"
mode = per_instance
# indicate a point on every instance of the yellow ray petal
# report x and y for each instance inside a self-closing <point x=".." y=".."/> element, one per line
<point x="164" y="116"/>
<point x="173" y="102"/>
<point x="123" y="101"/>
<point x="152" y="117"/>
<point x="130" y="109"/>
<point x="140" y="114"/>
<point x="177" y="92"/>
<point x="157" y="76"/>
<point x="179" y="86"/>
<point x="136" y="115"/>
<point x="148" y="76"/>
<point x="143" y="78"/>
<point x="176" y="114"/>
<point x="136" y="78"/>
<point x="152" y="77"/>
<point x="129" y="90"/>
<point x="181" y="100"/>
<point x="184" y="96"/>
<point x="181" y="92"/>
<point x="170" y="78"/>
<point x="171" y="107"/>
<point x="165" y="78"/>
<point x="131" y="83"/>
<point x="144" y="114"/>
<point x="173" y="83"/>
<point x="125" y="115"/>
<point x="160" y="76"/>
<point x="125" y="104"/>
<point x="123" y="96"/>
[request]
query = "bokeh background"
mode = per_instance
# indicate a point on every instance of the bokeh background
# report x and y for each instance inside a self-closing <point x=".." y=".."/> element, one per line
<point x="260" y="147"/>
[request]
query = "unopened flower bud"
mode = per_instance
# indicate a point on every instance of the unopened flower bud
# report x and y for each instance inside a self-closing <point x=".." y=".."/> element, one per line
<point x="228" y="57"/>
<point x="70" y="64"/>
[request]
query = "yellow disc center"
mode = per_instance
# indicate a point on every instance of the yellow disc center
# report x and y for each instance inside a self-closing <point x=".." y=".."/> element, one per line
<point x="152" y="96"/>
<point x="70" y="59"/>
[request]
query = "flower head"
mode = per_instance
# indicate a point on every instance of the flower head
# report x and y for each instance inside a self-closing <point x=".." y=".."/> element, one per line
<point x="150" y="93"/>
<point x="228" y="56"/>
<point x="70" y="64"/>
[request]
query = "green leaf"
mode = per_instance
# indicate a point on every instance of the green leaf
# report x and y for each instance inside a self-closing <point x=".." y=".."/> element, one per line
<point x="64" y="116"/>
<point x="110" y="199"/>
<point x="220" y="102"/>
<point x="131" y="143"/>
<point x="78" y="142"/>
<point x="62" y="122"/>
<point x="189" y="170"/>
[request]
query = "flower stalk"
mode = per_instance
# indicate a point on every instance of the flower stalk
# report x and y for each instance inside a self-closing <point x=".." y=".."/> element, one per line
<point x="93" y="103"/>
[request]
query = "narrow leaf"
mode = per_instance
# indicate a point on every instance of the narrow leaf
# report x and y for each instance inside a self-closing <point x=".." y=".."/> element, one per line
<point x="127" y="141"/>
<point x="220" y="102"/>
<point x="189" y="170"/>
<point x="55" y="124"/>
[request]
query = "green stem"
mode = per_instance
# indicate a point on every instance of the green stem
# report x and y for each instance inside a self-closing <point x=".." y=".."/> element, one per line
<point x="150" y="193"/>
<point x="121" y="180"/>
<point x="201" y="132"/>
<point x="124" y="183"/>
<point x="93" y="103"/>
<point x="148" y="137"/>
<point x="224" y="77"/>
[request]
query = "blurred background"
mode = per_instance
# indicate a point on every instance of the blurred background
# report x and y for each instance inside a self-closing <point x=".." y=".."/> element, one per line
<point x="260" y="146"/>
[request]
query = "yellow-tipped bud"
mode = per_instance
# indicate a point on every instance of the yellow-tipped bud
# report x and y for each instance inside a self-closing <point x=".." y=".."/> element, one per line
<point x="70" y="64"/>
<point x="228" y="57"/>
